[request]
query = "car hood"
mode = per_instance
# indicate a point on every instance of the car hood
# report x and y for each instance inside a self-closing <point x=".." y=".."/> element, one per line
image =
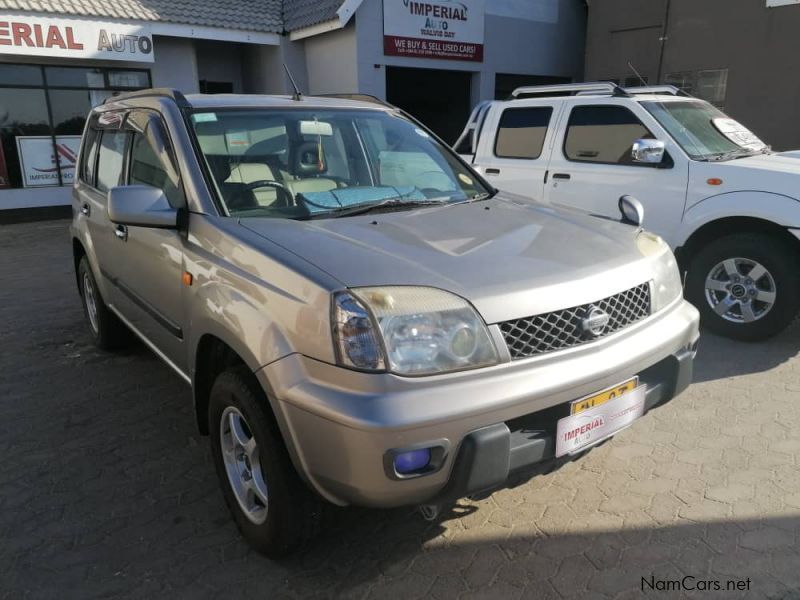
<point x="509" y="257"/>
<point x="774" y="173"/>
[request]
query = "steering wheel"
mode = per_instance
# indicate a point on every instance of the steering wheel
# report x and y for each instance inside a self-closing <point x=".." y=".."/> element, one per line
<point x="287" y="196"/>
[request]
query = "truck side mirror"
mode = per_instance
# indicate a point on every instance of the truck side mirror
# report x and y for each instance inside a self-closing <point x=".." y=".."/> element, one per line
<point x="649" y="152"/>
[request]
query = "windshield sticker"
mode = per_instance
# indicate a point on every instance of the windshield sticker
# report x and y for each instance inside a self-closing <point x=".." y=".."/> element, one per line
<point x="422" y="133"/>
<point x="465" y="179"/>
<point x="237" y="140"/>
<point x="738" y="133"/>
<point x="204" y="117"/>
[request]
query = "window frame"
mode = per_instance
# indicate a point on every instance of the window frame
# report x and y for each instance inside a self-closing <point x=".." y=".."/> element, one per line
<point x="46" y="87"/>
<point x="152" y="116"/>
<point x="666" y="163"/>
<point x="520" y="108"/>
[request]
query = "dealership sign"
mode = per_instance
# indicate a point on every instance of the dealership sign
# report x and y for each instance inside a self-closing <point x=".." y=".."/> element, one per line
<point x="75" y="38"/>
<point x="445" y="29"/>
<point x="39" y="159"/>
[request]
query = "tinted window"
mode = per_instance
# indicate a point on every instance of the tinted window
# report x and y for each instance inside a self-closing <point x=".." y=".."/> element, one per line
<point x="522" y="131"/>
<point x="148" y="167"/>
<point x="603" y="134"/>
<point x="89" y="157"/>
<point x="111" y="159"/>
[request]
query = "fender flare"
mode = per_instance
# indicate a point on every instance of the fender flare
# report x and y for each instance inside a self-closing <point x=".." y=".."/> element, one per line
<point x="779" y="209"/>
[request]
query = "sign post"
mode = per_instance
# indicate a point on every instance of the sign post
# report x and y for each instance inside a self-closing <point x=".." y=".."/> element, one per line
<point x="443" y="29"/>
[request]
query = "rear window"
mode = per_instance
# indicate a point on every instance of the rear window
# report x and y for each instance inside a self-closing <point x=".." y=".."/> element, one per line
<point x="522" y="131"/>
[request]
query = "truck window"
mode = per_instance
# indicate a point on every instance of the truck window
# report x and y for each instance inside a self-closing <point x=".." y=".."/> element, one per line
<point x="603" y="134"/>
<point x="522" y="131"/>
<point x="89" y="156"/>
<point x="148" y="166"/>
<point x="111" y="158"/>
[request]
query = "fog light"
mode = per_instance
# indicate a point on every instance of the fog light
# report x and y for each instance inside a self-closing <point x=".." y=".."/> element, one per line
<point x="409" y="462"/>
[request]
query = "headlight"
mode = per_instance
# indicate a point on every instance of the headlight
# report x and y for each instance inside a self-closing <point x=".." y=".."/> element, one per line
<point x="409" y="331"/>
<point x="667" y="284"/>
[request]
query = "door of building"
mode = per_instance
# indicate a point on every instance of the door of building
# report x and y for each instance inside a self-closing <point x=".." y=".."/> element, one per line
<point x="438" y="98"/>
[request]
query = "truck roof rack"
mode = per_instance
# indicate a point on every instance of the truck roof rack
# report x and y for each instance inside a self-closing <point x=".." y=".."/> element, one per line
<point x="570" y="89"/>
<point x="175" y="95"/>
<point x="656" y="89"/>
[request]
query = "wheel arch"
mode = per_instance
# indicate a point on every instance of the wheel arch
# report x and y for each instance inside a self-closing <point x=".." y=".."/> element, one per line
<point x="724" y="226"/>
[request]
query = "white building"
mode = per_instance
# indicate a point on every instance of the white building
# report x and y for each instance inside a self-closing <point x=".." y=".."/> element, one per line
<point x="434" y="58"/>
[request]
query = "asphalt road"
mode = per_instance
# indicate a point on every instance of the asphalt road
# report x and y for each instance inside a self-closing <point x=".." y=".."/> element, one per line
<point x="106" y="489"/>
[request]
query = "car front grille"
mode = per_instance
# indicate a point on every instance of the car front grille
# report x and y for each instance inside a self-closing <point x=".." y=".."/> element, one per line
<point x="561" y="329"/>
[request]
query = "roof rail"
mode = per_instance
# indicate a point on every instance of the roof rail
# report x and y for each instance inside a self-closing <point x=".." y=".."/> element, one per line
<point x="569" y="89"/>
<point x="656" y="89"/>
<point x="175" y="95"/>
<point x="360" y="97"/>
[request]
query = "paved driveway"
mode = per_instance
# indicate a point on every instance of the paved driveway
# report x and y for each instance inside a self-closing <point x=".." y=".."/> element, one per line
<point x="107" y="490"/>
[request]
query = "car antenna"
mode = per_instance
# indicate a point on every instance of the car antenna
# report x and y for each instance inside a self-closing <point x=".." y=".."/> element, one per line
<point x="635" y="72"/>
<point x="297" y="95"/>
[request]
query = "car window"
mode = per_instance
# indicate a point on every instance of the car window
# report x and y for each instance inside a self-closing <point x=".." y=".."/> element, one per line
<point x="306" y="163"/>
<point x="603" y="134"/>
<point x="89" y="156"/>
<point x="150" y="164"/>
<point x="521" y="132"/>
<point x="111" y="159"/>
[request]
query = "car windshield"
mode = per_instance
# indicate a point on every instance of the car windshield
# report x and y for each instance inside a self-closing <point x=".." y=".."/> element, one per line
<point x="303" y="163"/>
<point x="703" y="131"/>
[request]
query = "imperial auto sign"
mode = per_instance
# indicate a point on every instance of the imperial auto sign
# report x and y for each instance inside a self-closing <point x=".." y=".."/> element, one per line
<point x="75" y="38"/>
<point x="444" y="29"/>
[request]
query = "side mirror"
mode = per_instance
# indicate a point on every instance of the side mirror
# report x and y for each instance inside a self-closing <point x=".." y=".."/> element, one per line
<point x="142" y="206"/>
<point x="649" y="152"/>
<point x="631" y="210"/>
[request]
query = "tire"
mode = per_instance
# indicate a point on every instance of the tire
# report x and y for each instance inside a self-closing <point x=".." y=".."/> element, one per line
<point x="731" y="304"/>
<point x="291" y="515"/>
<point x="107" y="331"/>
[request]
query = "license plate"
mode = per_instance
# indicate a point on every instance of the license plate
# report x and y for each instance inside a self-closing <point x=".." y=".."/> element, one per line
<point x="584" y="404"/>
<point x="592" y="425"/>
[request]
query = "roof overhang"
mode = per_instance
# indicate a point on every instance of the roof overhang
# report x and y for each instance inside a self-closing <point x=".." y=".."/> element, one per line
<point x="343" y="16"/>
<point x="164" y="28"/>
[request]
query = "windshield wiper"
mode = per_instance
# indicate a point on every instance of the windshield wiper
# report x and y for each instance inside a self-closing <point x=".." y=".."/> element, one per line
<point x="738" y="153"/>
<point x="362" y="209"/>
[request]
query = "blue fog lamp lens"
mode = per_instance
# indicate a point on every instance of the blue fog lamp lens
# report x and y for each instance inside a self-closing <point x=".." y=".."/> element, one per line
<point x="409" y="462"/>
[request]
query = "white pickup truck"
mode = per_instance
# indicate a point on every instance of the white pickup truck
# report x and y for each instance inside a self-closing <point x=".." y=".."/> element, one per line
<point x="727" y="205"/>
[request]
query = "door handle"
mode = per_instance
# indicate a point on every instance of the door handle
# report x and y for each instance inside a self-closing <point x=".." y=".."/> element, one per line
<point x="561" y="176"/>
<point x="86" y="209"/>
<point x="121" y="232"/>
<point x="493" y="171"/>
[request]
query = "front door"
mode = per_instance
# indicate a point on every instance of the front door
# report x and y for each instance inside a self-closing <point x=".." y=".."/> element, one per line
<point x="150" y="280"/>
<point x="515" y="158"/>
<point x="591" y="166"/>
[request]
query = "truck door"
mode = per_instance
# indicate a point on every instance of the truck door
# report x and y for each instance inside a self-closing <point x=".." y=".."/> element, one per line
<point x="591" y="166"/>
<point x="515" y="145"/>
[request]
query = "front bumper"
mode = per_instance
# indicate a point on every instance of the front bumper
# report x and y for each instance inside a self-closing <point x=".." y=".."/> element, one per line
<point x="492" y="423"/>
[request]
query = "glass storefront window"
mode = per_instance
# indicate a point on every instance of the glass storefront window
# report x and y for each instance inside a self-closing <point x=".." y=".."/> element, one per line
<point x="21" y="74"/>
<point x="74" y="77"/>
<point x="43" y="110"/>
<point x="24" y="123"/>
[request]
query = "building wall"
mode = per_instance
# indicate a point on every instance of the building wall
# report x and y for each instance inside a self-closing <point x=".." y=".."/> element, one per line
<point x="528" y="37"/>
<point x="175" y="65"/>
<point x="331" y="62"/>
<point x="758" y="45"/>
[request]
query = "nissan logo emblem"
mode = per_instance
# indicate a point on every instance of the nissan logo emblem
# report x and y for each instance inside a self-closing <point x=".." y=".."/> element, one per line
<point x="594" y="322"/>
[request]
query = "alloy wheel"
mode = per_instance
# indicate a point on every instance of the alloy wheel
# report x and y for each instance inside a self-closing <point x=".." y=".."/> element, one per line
<point x="240" y="454"/>
<point x="740" y="290"/>
<point x="91" y="303"/>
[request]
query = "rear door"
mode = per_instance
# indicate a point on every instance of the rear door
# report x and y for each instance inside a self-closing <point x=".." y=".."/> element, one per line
<point x="514" y="148"/>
